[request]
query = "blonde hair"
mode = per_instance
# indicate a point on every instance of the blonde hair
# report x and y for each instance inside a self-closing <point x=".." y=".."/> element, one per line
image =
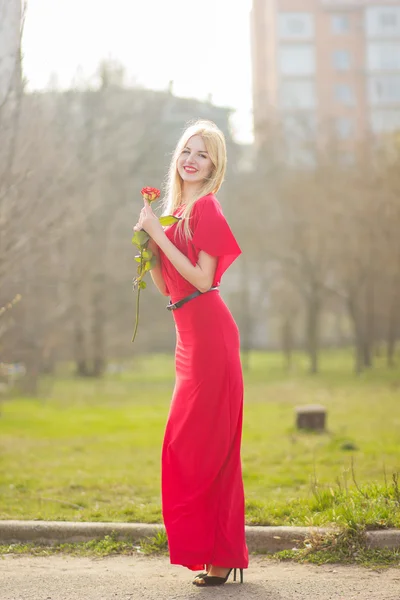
<point x="214" y="142"/>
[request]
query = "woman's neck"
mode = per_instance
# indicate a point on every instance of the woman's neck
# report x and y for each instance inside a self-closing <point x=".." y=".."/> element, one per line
<point x="189" y="192"/>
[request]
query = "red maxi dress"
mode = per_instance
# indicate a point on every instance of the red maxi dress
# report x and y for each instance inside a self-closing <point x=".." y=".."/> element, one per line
<point x="202" y="486"/>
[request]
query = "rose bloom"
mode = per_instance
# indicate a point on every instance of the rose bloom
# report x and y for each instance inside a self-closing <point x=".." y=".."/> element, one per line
<point x="150" y="193"/>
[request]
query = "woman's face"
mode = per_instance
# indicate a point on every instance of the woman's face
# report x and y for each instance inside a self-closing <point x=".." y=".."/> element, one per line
<point x="194" y="164"/>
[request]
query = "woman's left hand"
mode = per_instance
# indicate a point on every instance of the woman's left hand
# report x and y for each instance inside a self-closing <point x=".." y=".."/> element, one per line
<point x="149" y="222"/>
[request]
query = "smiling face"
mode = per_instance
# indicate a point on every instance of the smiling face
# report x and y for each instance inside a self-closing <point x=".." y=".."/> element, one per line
<point x="194" y="164"/>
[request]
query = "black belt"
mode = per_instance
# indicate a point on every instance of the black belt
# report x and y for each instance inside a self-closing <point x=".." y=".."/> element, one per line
<point x="180" y="303"/>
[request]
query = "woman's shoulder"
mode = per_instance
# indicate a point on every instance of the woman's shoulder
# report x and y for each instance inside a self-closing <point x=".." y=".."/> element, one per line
<point x="208" y="198"/>
<point x="208" y="201"/>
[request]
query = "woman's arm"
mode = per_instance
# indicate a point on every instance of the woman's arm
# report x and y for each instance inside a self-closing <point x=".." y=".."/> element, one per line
<point x="158" y="280"/>
<point x="156" y="272"/>
<point x="201" y="275"/>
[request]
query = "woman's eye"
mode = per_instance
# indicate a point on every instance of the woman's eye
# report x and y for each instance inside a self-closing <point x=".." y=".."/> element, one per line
<point x="185" y="151"/>
<point x="203" y="156"/>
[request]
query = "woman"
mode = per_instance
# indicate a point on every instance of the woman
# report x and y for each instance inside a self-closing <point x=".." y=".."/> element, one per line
<point x="202" y="487"/>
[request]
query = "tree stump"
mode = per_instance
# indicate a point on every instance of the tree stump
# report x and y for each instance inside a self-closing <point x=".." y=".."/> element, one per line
<point x="311" y="416"/>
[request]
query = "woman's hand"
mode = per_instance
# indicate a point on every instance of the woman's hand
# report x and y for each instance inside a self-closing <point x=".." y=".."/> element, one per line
<point x="149" y="222"/>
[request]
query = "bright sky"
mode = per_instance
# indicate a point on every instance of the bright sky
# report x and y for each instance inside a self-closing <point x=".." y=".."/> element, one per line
<point x="202" y="45"/>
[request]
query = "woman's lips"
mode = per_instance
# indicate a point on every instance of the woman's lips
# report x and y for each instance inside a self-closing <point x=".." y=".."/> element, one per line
<point x="190" y="169"/>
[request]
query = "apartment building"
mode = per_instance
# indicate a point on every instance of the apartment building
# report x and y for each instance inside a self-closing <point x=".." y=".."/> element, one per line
<point x="327" y="65"/>
<point x="10" y="42"/>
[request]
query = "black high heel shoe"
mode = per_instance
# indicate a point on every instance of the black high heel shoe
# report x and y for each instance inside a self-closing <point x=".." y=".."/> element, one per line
<point x="210" y="580"/>
<point x="203" y="574"/>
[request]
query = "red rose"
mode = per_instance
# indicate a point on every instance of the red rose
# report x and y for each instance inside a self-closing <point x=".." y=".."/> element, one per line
<point x="150" y="193"/>
<point x="146" y="259"/>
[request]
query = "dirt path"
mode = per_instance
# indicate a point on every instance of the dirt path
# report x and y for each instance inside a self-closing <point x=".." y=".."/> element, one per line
<point x="143" y="578"/>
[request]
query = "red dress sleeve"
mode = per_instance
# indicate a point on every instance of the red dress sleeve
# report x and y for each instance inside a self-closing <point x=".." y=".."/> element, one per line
<point x="212" y="234"/>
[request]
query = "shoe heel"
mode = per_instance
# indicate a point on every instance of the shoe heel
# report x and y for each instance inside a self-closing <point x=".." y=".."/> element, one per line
<point x="241" y="575"/>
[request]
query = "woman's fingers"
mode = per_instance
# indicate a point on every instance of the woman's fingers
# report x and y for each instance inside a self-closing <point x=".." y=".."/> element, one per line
<point x="147" y="208"/>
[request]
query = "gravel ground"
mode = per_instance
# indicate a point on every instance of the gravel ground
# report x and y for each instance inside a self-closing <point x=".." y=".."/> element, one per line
<point x="144" y="578"/>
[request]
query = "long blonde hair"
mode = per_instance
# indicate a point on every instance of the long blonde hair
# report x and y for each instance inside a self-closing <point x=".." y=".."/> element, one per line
<point x="214" y="141"/>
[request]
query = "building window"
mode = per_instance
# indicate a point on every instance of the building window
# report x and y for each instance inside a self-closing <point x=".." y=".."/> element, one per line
<point x="296" y="25"/>
<point x="344" y="127"/>
<point x="297" y="60"/>
<point x="340" y="24"/>
<point x="298" y="94"/>
<point x="388" y="20"/>
<point x="341" y="60"/>
<point x="300" y="157"/>
<point x="383" y="56"/>
<point x="383" y="21"/>
<point x="383" y="121"/>
<point x="384" y="89"/>
<point x="301" y="126"/>
<point x="344" y="94"/>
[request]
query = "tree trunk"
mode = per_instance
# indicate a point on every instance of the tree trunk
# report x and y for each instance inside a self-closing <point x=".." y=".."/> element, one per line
<point x="98" y="324"/>
<point x="80" y="349"/>
<point x="366" y="352"/>
<point x="287" y="342"/>
<point x="10" y="48"/>
<point x="391" y="349"/>
<point x="245" y="317"/>
<point x="392" y="331"/>
<point x="30" y="381"/>
<point x="48" y="363"/>
<point x="313" y="310"/>
<point x="358" y="335"/>
<point x="369" y="328"/>
<point x="245" y="329"/>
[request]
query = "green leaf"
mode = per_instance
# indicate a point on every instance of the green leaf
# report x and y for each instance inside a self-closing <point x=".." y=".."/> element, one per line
<point x="144" y="256"/>
<point x="150" y="264"/>
<point x="147" y="254"/>
<point x="168" y="220"/>
<point x="140" y="238"/>
<point x="142" y="285"/>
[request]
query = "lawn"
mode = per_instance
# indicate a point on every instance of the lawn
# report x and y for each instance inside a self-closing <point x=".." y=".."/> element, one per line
<point x="90" y="450"/>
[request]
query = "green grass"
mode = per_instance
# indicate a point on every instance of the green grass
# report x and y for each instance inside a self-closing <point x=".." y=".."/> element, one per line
<point x="377" y="559"/>
<point x="90" y="450"/>
<point x="110" y="545"/>
<point x="346" y="547"/>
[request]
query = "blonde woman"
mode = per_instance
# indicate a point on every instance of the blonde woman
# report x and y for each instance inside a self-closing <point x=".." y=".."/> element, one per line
<point x="202" y="486"/>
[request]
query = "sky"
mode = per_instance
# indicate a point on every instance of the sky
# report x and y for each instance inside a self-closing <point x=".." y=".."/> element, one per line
<point x="203" y="46"/>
